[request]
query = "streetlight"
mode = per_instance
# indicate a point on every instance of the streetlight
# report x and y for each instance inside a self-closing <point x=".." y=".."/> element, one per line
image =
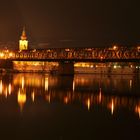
<point x="115" y="47"/>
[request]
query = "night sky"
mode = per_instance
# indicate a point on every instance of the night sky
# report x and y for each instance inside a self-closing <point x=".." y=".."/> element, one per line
<point x="98" y="21"/>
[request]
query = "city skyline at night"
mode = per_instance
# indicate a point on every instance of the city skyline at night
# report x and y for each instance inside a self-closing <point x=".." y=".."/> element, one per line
<point x="69" y="69"/>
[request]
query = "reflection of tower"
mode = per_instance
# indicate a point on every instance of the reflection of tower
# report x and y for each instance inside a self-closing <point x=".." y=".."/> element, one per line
<point x="23" y="42"/>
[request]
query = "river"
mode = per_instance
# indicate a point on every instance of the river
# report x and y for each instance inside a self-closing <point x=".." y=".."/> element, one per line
<point x="83" y="106"/>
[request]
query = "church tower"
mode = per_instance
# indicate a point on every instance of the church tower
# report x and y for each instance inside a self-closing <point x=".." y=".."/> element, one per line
<point x="23" y="42"/>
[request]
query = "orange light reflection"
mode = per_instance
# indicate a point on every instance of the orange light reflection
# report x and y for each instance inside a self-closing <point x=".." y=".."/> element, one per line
<point x="21" y="99"/>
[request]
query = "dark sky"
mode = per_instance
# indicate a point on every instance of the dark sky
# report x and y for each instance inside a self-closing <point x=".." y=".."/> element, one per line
<point x="100" y="21"/>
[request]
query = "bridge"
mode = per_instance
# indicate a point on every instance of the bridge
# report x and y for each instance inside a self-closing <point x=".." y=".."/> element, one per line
<point x="75" y="54"/>
<point x="67" y="56"/>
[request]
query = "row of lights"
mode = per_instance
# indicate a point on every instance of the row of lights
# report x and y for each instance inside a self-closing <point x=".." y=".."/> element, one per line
<point x="6" y="54"/>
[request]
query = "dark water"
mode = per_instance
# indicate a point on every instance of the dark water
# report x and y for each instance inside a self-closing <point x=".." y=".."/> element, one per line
<point x="41" y="106"/>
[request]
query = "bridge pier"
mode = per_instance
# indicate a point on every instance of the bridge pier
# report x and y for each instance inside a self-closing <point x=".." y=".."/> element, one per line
<point x="66" y="68"/>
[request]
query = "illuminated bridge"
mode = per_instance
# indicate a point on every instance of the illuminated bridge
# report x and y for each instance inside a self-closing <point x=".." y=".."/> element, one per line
<point x="75" y="54"/>
<point x="67" y="56"/>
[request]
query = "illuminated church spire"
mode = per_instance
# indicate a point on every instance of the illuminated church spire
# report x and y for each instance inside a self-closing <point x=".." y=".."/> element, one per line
<point x="23" y="42"/>
<point x="23" y="36"/>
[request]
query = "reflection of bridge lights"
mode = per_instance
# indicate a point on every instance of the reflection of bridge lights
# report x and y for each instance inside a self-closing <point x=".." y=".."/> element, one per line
<point x="66" y="99"/>
<point x="48" y="98"/>
<point x="112" y="106"/>
<point x="73" y="86"/>
<point x="46" y="84"/>
<point x="130" y="84"/>
<point x="28" y="80"/>
<point x="22" y="82"/>
<point x="100" y="96"/>
<point x="9" y="89"/>
<point x="137" y="110"/>
<point x="5" y="90"/>
<point x="21" y="98"/>
<point x="35" y="64"/>
<point x="1" y="87"/>
<point x="33" y="96"/>
<point x="88" y="103"/>
<point x="1" y="55"/>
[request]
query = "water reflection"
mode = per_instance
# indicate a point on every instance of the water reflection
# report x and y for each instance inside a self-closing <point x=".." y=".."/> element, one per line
<point x="21" y="98"/>
<point x="113" y="92"/>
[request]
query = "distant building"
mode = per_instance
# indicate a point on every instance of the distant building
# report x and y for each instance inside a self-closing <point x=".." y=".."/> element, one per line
<point x="23" y="42"/>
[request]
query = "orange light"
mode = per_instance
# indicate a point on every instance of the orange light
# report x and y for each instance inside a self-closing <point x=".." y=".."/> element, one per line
<point x="22" y="82"/>
<point x="101" y="57"/>
<point x="1" y="87"/>
<point x="66" y="100"/>
<point x="67" y="50"/>
<point x="21" y="99"/>
<point x="115" y="47"/>
<point x="1" y="54"/>
<point x="100" y="96"/>
<point x="10" y="54"/>
<point x="9" y="89"/>
<point x="88" y="103"/>
<point x="33" y="96"/>
<point x="73" y="85"/>
<point x="34" y="50"/>
<point x="46" y="83"/>
<point x="111" y="106"/>
<point x="137" y="110"/>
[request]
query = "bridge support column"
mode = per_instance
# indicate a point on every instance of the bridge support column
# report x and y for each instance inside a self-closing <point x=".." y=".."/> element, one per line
<point x="66" y="68"/>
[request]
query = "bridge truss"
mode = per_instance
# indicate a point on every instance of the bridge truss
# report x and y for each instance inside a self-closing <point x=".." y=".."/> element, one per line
<point x="114" y="54"/>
